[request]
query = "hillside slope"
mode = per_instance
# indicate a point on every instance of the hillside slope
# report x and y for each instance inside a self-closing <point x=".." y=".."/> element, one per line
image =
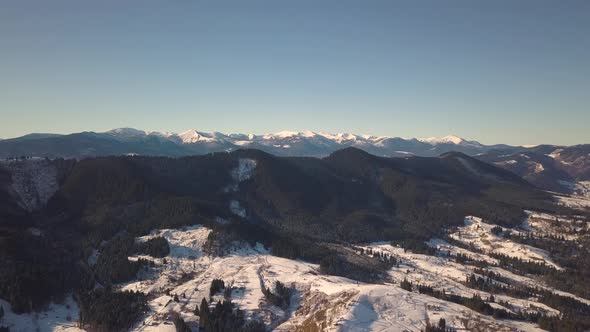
<point x="300" y="207"/>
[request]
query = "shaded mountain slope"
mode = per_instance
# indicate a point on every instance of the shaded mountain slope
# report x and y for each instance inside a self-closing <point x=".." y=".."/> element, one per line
<point x="549" y="167"/>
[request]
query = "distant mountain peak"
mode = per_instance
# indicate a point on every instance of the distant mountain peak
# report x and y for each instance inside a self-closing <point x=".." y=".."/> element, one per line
<point x="193" y="136"/>
<point x="452" y="139"/>
<point x="127" y="132"/>
<point x="290" y="134"/>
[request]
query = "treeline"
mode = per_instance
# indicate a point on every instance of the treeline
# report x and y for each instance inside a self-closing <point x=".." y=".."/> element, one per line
<point x="155" y="247"/>
<point x="390" y="260"/>
<point x="36" y="270"/>
<point x="441" y="327"/>
<point x="573" y="256"/>
<point x="225" y="317"/>
<point x="417" y="246"/>
<point x="523" y="266"/>
<point x="513" y="264"/>
<point x="348" y="261"/>
<point x="106" y="310"/>
<point x="113" y="265"/>
<point x="475" y="303"/>
<point x="576" y="311"/>
<point x="338" y="264"/>
<point x="575" y="314"/>
<point x="281" y="297"/>
<point x="467" y="259"/>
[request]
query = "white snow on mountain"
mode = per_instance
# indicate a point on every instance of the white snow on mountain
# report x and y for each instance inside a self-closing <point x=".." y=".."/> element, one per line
<point x="451" y="139"/>
<point x="506" y="162"/>
<point x="241" y="173"/>
<point x="555" y="154"/>
<point x="244" y="170"/>
<point x="192" y="136"/>
<point x="442" y="140"/>
<point x="290" y="134"/>
<point x="127" y="132"/>
<point x="300" y="143"/>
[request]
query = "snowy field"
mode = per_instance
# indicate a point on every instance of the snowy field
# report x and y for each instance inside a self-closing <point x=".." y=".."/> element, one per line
<point x="57" y="318"/>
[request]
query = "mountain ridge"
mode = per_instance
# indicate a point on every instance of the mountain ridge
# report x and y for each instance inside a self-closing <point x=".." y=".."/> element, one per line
<point x="129" y="132"/>
<point x="190" y="142"/>
<point x="550" y="167"/>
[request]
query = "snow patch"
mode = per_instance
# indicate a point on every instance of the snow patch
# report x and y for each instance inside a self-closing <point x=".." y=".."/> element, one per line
<point x="192" y="136"/>
<point x="539" y="168"/>
<point x="237" y="209"/>
<point x="57" y="318"/>
<point x="443" y="140"/>
<point x="506" y="162"/>
<point x="244" y="170"/>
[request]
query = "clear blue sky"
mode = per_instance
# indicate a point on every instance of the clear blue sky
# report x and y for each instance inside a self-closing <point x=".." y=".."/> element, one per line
<point x="496" y="71"/>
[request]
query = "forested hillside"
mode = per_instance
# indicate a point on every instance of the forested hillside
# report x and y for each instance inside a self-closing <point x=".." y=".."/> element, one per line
<point x="296" y="205"/>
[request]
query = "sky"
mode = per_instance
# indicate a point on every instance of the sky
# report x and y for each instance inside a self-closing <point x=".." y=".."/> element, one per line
<point x="515" y="72"/>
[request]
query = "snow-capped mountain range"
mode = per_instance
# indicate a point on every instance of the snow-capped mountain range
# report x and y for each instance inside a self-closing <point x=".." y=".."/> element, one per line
<point x="192" y="136"/>
<point x="285" y="143"/>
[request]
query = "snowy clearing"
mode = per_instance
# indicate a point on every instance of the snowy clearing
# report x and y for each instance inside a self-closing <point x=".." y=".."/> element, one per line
<point x="57" y="318"/>
<point x="479" y="234"/>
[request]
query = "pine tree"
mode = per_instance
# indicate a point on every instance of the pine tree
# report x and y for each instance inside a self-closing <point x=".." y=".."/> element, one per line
<point x="204" y="307"/>
<point x="405" y="284"/>
<point x="204" y="314"/>
<point x="179" y="323"/>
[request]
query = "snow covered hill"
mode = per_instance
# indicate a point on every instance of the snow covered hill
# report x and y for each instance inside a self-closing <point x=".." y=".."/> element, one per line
<point x="178" y="282"/>
<point x="327" y="302"/>
<point x="330" y="303"/>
